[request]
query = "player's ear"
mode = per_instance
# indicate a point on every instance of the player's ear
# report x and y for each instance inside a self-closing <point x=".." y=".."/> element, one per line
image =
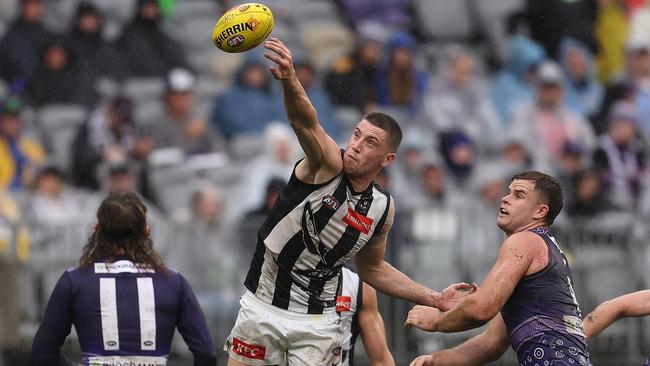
<point x="541" y="212"/>
<point x="390" y="158"/>
<point x="147" y="230"/>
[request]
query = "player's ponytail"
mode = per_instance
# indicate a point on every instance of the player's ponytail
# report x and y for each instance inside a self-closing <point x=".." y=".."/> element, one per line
<point x="121" y="228"/>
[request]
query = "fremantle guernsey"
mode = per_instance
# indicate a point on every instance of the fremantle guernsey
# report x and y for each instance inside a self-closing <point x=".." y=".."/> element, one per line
<point x="542" y="315"/>
<point x="312" y="230"/>
<point x="124" y="315"/>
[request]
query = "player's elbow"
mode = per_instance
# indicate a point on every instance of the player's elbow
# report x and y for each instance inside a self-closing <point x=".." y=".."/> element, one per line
<point x="481" y="311"/>
<point x="485" y="315"/>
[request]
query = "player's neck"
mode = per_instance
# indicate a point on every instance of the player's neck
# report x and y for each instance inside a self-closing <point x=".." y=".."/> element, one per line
<point x="530" y="226"/>
<point x="360" y="184"/>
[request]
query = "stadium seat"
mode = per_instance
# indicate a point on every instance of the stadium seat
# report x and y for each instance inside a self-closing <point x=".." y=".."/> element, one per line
<point x="54" y="116"/>
<point x="196" y="34"/>
<point x="143" y="88"/>
<point x="146" y="110"/>
<point x="58" y="15"/>
<point x="444" y="19"/>
<point x="187" y="10"/>
<point x="325" y="41"/>
<point x="58" y="124"/>
<point x="246" y="147"/>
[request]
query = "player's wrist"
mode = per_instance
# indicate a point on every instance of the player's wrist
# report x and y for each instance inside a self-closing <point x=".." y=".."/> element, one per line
<point x="435" y="299"/>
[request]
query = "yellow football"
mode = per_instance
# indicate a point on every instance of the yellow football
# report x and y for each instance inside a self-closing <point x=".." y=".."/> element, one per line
<point x="243" y="27"/>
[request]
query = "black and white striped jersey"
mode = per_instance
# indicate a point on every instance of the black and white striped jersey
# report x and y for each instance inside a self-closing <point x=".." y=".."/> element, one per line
<point x="309" y="234"/>
<point x="348" y="304"/>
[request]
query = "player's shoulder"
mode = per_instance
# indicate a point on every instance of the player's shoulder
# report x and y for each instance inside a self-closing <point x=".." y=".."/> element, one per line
<point x="381" y="190"/>
<point x="524" y="241"/>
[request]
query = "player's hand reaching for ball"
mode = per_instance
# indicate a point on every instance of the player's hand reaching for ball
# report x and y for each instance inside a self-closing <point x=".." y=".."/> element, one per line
<point x="423" y="317"/>
<point x="452" y="295"/>
<point x="426" y="360"/>
<point x="281" y="56"/>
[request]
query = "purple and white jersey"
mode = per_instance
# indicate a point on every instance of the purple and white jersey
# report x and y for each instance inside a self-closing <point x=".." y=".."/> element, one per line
<point x="123" y="315"/>
<point x="542" y="315"/>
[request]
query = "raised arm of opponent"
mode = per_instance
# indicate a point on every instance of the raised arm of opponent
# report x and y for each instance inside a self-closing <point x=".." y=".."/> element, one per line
<point x="322" y="155"/>
<point x="521" y="254"/>
<point x="635" y="304"/>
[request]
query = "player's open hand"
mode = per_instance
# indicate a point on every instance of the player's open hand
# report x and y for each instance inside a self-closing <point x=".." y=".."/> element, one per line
<point x="281" y="56"/>
<point x="454" y="293"/>
<point x="426" y="360"/>
<point x="423" y="317"/>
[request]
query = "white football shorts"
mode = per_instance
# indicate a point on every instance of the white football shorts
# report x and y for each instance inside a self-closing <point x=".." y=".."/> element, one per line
<point x="266" y="335"/>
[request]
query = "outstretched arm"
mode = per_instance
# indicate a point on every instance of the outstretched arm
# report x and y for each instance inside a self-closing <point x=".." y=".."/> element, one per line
<point x="373" y="332"/>
<point x="479" y="350"/>
<point x="322" y="155"/>
<point x="516" y="256"/>
<point x="631" y="305"/>
<point x="379" y="274"/>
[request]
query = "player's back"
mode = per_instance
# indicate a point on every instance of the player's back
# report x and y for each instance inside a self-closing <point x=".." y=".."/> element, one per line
<point x="123" y="314"/>
<point x="542" y="315"/>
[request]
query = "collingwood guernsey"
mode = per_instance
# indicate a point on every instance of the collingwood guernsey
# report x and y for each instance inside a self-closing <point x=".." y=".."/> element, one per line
<point x="312" y="230"/>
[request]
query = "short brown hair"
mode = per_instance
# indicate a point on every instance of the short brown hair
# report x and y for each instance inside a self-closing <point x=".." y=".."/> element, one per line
<point x="388" y="124"/>
<point x="549" y="189"/>
<point x="121" y="225"/>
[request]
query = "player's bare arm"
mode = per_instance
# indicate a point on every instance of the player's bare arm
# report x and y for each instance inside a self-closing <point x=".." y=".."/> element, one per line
<point x="381" y="275"/>
<point x="486" y="347"/>
<point x="373" y="332"/>
<point x="322" y="155"/>
<point x="521" y="254"/>
<point x="635" y="304"/>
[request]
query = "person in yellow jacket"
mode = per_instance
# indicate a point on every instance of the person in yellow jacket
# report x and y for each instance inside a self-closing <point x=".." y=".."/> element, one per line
<point x="14" y="252"/>
<point x="18" y="154"/>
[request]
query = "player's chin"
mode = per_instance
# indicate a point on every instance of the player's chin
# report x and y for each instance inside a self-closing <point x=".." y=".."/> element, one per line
<point x="502" y="222"/>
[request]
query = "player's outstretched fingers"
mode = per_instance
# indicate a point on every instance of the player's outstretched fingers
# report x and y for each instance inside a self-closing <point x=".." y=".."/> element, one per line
<point x="426" y="360"/>
<point x="277" y="48"/>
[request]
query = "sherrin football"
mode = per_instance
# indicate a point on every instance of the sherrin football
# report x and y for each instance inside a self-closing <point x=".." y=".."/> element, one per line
<point x="243" y="27"/>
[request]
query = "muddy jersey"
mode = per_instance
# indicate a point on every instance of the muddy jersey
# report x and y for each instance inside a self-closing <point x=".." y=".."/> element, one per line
<point x="542" y="315"/>
<point x="312" y="230"/>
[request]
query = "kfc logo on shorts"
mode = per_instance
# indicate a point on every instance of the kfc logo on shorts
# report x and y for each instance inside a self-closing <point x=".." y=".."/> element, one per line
<point x="248" y="350"/>
<point x="358" y="221"/>
<point x="331" y="202"/>
<point x="343" y="303"/>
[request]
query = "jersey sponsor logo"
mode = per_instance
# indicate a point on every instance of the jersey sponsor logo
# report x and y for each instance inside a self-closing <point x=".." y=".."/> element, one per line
<point x="127" y="361"/>
<point x="248" y="350"/>
<point x="122" y="266"/>
<point x="343" y="303"/>
<point x="358" y="221"/>
<point x="330" y="202"/>
<point x="573" y="325"/>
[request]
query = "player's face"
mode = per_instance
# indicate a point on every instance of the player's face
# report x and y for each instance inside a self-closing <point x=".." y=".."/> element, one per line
<point x="521" y="208"/>
<point x="367" y="150"/>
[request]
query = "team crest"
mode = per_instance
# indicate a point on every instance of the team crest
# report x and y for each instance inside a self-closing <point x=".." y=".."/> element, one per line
<point x="330" y="202"/>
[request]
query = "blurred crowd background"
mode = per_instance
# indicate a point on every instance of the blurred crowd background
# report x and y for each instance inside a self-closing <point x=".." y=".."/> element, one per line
<point x="132" y="94"/>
